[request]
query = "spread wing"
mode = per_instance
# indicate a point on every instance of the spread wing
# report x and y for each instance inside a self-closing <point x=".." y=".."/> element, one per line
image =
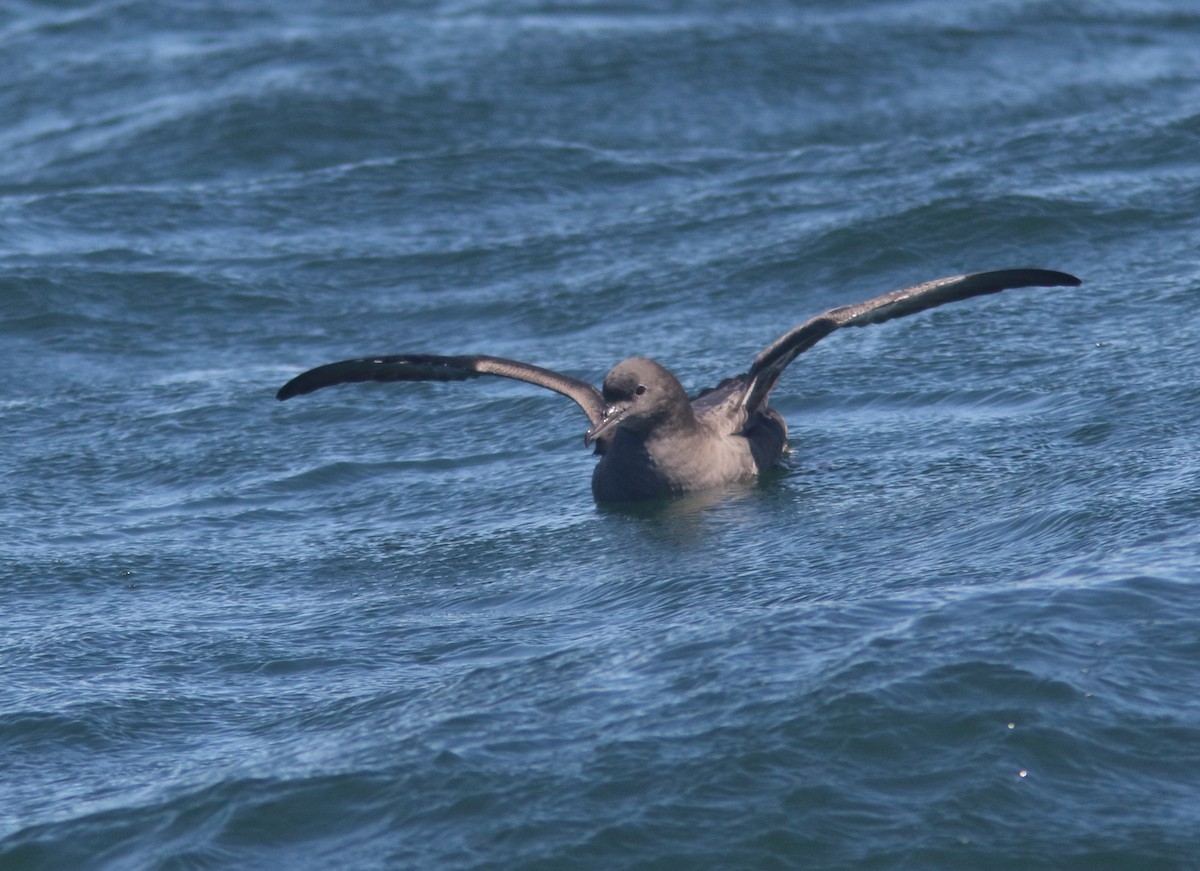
<point x="428" y="367"/>
<point x="769" y="364"/>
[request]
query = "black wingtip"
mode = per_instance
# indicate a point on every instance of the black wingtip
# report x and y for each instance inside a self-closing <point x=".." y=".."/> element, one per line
<point x="1011" y="279"/>
<point x="289" y="390"/>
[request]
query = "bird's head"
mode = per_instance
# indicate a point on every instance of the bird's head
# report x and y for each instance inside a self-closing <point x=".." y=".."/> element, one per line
<point x="640" y="395"/>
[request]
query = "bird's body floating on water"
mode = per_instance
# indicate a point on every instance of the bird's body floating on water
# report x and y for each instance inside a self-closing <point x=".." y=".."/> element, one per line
<point x="651" y="438"/>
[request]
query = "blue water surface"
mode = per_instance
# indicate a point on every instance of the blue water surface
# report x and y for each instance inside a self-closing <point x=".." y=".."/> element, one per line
<point x="386" y="626"/>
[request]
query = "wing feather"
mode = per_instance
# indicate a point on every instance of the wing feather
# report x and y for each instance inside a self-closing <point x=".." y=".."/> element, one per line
<point x="431" y="367"/>
<point x="769" y="364"/>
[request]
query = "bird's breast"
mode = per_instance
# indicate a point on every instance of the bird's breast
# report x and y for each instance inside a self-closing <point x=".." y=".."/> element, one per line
<point x="643" y="467"/>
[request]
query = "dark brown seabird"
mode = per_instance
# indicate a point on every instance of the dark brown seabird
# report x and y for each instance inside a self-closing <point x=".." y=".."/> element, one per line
<point x="651" y="438"/>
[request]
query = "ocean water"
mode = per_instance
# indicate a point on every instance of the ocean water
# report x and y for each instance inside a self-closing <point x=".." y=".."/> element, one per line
<point x="386" y="627"/>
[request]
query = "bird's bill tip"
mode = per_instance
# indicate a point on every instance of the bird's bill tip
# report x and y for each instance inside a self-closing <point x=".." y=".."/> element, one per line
<point x="612" y="417"/>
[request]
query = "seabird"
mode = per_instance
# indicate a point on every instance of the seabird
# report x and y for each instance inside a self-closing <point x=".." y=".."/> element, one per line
<point x="652" y="440"/>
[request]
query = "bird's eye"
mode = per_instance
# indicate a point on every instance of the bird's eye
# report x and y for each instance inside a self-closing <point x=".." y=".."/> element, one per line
<point x="641" y="388"/>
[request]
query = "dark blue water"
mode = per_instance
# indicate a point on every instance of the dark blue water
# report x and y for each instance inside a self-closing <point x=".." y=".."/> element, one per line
<point x="386" y="626"/>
